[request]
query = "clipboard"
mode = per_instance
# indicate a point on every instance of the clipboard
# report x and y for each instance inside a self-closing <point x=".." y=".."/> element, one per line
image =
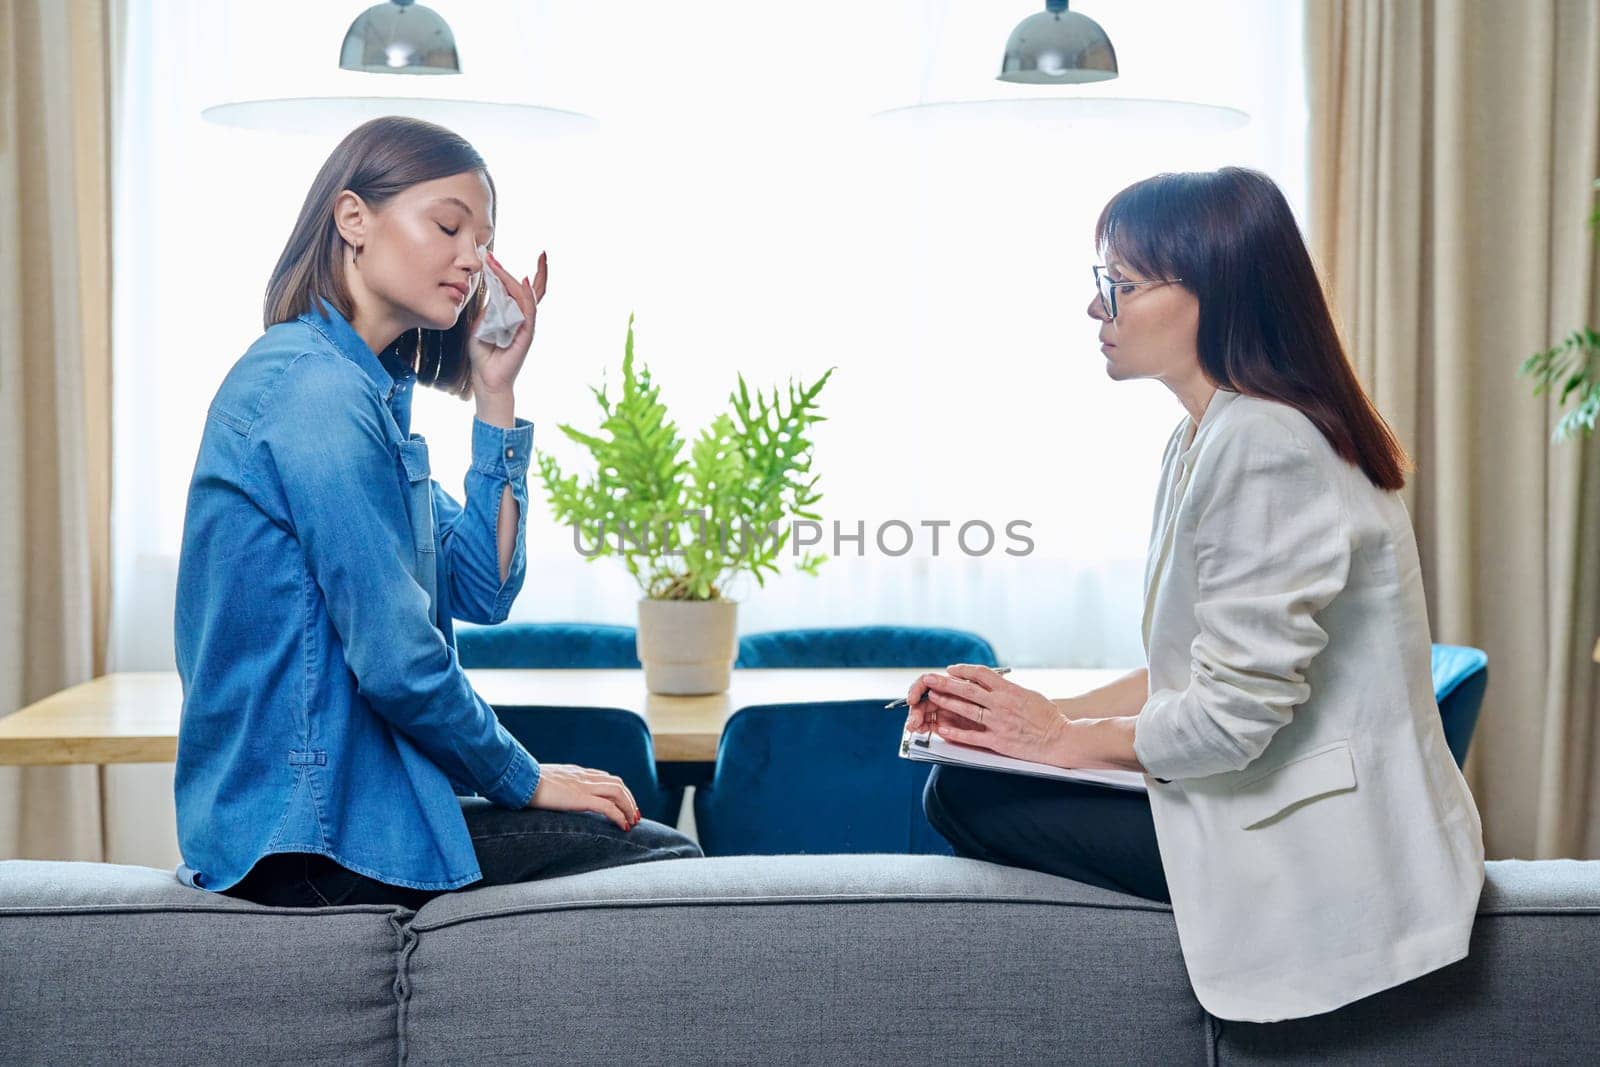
<point x="932" y="748"/>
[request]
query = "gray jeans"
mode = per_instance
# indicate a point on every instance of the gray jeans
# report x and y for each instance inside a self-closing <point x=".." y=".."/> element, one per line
<point x="512" y="847"/>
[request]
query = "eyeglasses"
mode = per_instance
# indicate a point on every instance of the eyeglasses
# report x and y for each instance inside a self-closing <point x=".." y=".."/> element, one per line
<point x="1109" y="288"/>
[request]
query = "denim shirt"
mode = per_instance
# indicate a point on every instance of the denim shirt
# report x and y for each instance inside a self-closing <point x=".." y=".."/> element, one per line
<point x="324" y="709"/>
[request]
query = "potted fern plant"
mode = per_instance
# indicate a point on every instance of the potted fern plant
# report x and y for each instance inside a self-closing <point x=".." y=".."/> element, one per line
<point x="1575" y="363"/>
<point x="685" y="525"/>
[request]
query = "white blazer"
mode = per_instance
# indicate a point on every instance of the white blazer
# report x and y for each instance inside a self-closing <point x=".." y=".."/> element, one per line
<point x="1319" y="843"/>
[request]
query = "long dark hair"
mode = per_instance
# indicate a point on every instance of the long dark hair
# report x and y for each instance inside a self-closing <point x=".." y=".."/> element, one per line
<point x="1265" y="328"/>
<point x="377" y="160"/>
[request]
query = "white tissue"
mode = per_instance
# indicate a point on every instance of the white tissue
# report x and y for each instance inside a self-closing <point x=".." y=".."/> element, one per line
<point x="502" y="316"/>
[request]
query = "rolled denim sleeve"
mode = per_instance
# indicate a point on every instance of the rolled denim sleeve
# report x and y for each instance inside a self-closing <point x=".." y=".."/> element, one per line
<point x="1272" y="549"/>
<point x="469" y="535"/>
<point x="321" y="441"/>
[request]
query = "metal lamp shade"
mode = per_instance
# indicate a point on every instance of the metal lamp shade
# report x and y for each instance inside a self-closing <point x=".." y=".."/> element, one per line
<point x="1058" y="47"/>
<point x="400" y="38"/>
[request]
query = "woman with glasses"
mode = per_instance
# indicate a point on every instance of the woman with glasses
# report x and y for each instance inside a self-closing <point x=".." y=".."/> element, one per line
<point x="1304" y="816"/>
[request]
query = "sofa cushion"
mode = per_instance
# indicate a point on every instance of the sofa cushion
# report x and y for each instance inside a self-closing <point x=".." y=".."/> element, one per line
<point x="1526" y="992"/>
<point x="881" y="959"/>
<point x="110" y="964"/>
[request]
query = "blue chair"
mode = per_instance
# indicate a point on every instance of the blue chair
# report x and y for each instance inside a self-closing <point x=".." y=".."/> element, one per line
<point x="608" y="739"/>
<point x="858" y="795"/>
<point x="814" y="778"/>
<point x="594" y="646"/>
<point x="864" y="646"/>
<point x="1460" y="675"/>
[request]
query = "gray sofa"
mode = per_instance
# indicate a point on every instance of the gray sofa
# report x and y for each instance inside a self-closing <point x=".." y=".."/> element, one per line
<point x="847" y="959"/>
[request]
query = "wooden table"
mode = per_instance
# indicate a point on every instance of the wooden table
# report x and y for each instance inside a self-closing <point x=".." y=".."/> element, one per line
<point x="133" y="717"/>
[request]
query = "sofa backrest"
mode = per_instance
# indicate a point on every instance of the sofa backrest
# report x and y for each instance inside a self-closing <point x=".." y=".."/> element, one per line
<point x="108" y="964"/>
<point x="782" y="959"/>
<point x="791" y="959"/>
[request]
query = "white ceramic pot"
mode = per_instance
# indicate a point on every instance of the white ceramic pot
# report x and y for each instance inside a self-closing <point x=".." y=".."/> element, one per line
<point x="688" y="646"/>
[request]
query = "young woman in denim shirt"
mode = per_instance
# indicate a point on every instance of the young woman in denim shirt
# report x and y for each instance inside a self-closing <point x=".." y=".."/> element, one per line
<point x="330" y="746"/>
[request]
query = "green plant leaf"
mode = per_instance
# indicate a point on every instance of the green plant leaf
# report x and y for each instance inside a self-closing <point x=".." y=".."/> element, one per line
<point x="739" y="476"/>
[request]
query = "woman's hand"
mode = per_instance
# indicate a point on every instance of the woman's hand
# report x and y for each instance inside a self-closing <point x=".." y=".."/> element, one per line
<point x="922" y="714"/>
<point x="973" y="705"/>
<point x="563" y="787"/>
<point x="495" y="369"/>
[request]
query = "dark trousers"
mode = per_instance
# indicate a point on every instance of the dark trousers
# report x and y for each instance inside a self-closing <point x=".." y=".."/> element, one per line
<point x="1093" y="834"/>
<point x="512" y="847"/>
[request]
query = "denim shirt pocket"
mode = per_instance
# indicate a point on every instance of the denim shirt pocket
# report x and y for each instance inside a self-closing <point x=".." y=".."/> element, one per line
<point x="419" y="502"/>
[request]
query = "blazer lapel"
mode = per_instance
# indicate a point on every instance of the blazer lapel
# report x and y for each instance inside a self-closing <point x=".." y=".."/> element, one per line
<point x="1161" y="552"/>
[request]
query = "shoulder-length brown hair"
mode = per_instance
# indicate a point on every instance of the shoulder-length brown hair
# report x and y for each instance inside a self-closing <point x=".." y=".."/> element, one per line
<point x="377" y="160"/>
<point x="1265" y="328"/>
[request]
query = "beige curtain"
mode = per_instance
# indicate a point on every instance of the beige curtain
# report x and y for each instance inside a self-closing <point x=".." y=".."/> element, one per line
<point x="1454" y="146"/>
<point x="55" y="396"/>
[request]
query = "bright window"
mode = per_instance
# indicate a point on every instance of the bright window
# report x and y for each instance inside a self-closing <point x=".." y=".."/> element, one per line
<point x="739" y="200"/>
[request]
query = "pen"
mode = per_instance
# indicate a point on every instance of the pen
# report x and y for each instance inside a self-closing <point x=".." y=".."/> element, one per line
<point x="903" y="703"/>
